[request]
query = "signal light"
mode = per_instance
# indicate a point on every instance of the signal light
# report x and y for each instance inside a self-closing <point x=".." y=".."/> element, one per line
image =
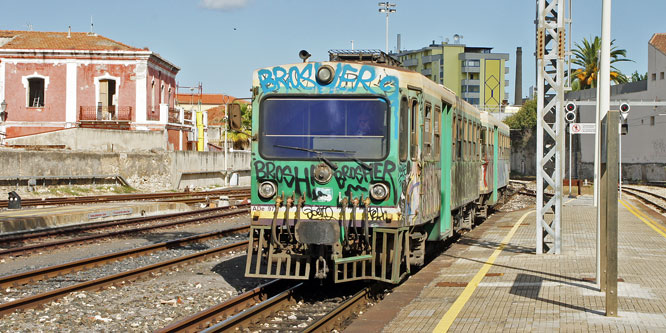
<point x="624" y="110"/>
<point x="570" y="108"/>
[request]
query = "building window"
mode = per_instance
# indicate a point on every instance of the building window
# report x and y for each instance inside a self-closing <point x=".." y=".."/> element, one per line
<point x="654" y="76"/>
<point x="474" y="101"/>
<point x="35" y="92"/>
<point x="651" y="120"/>
<point x="473" y="88"/>
<point x="661" y="75"/>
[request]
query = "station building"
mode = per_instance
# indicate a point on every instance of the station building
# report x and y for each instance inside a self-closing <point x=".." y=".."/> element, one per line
<point x="644" y="146"/>
<point x="474" y="73"/>
<point x="55" y="81"/>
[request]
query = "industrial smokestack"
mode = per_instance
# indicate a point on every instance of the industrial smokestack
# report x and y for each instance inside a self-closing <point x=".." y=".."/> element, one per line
<point x="398" y="44"/>
<point x="518" y="94"/>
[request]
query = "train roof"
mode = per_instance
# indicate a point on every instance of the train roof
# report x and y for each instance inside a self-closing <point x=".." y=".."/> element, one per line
<point x="489" y="119"/>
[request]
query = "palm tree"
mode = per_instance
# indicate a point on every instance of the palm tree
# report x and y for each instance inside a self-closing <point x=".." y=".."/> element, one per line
<point x="241" y="138"/>
<point x="587" y="57"/>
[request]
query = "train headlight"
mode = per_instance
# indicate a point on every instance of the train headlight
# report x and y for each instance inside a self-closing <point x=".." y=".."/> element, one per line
<point x="379" y="191"/>
<point x="267" y="190"/>
<point x="325" y="74"/>
<point x="323" y="173"/>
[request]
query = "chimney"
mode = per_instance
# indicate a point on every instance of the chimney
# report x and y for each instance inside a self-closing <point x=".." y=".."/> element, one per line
<point x="69" y="32"/>
<point x="398" y="44"/>
<point x="518" y="94"/>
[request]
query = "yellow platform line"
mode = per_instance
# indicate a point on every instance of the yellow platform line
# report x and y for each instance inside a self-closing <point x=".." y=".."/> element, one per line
<point x="451" y="315"/>
<point x="652" y="224"/>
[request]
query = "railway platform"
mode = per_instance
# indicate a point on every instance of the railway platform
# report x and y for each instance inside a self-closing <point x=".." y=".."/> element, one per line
<point x="492" y="281"/>
<point x="37" y="218"/>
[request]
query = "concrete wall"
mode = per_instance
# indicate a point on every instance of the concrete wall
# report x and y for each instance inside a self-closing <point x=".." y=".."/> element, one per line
<point x="91" y="139"/>
<point x="168" y="168"/>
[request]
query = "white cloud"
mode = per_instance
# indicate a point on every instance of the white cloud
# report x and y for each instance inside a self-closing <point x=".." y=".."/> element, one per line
<point x="224" y="4"/>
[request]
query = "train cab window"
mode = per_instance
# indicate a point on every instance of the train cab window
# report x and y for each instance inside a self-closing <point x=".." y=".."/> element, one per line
<point x="436" y="120"/>
<point x="404" y="123"/>
<point x="414" y="144"/>
<point x="333" y="127"/>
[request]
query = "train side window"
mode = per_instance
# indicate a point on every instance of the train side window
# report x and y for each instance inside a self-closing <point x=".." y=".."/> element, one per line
<point x="459" y="146"/>
<point x="466" y="139"/>
<point x="414" y="145"/>
<point x="484" y="142"/>
<point x="454" y="137"/>
<point x="437" y="118"/>
<point x="427" y="129"/>
<point x="404" y="123"/>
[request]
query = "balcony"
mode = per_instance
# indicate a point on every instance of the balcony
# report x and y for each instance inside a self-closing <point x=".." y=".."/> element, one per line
<point x="431" y="58"/>
<point x="153" y="114"/>
<point x="410" y="62"/>
<point x="108" y="117"/>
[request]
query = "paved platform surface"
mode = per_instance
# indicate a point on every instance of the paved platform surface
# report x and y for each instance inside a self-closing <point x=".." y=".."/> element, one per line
<point x="462" y="291"/>
<point x="37" y="218"/>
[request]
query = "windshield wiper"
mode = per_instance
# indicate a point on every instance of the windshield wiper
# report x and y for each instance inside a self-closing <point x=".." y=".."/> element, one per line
<point x="318" y="152"/>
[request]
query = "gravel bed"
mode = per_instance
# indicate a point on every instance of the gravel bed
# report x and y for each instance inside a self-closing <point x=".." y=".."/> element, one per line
<point x="11" y="294"/>
<point x="13" y="265"/>
<point x="141" y="306"/>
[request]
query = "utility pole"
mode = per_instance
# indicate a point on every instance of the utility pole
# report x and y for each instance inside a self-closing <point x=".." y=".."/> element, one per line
<point x="388" y="8"/>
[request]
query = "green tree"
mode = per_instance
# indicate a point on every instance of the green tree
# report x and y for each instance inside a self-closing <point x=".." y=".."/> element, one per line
<point x="586" y="55"/>
<point x="635" y="76"/>
<point x="525" y="118"/>
<point x="524" y="121"/>
<point x="241" y="138"/>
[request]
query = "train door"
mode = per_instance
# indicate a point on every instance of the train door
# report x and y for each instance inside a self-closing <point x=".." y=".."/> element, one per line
<point x="413" y="192"/>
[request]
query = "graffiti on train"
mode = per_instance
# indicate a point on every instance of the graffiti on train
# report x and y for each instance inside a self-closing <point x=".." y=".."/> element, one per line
<point x="347" y="78"/>
<point x="351" y="180"/>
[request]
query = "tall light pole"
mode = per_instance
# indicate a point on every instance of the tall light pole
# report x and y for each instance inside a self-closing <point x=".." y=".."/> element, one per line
<point x="388" y="8"/>
<point x="3" y="117"/>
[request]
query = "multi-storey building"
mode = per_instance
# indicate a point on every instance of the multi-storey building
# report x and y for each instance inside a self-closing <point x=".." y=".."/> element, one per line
<point x="474" y="73"/>
<point x="52" y="81"/>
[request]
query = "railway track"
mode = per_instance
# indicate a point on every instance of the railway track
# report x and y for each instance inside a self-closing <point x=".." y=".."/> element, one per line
<point x="115" y="279"/>
<point x="652" y="199"/>
<point x="292" y="308"/>
<point x="165" y="196"/>
<point x="216" y="213"/>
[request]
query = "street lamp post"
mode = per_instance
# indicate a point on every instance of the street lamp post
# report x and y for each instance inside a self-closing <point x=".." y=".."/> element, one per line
<point x="388" y="8"/>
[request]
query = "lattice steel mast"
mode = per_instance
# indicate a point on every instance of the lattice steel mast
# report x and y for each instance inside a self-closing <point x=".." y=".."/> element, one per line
<point x="550" y="53"/>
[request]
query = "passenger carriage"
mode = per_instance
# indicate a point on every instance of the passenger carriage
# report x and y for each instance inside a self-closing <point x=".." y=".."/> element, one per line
<point x="356" y="164"/>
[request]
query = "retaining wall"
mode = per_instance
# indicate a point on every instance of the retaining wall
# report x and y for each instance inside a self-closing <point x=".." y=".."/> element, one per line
<point x="164" y="168"/>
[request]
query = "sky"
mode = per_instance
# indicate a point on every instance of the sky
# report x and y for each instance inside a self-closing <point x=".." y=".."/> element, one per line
<point x="219" y="43"/>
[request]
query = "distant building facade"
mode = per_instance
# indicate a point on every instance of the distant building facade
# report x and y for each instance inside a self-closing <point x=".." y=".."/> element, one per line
<point x="474" y="73"/>
<point x="644" y="147"/>
<point x="59" y="80"/>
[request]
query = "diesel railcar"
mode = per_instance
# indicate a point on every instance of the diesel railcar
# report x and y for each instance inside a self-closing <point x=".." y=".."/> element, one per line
<point x="357" y="164"/>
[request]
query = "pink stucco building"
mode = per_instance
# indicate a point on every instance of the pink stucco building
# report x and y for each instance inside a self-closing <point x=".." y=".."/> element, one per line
<point x="58" y="80"/>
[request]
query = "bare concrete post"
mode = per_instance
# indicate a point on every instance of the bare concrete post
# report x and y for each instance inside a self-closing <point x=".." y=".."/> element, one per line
<point x="518" y="91"/>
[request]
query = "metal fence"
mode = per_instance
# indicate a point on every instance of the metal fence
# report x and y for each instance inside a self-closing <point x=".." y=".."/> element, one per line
<point x="101" y="113"/>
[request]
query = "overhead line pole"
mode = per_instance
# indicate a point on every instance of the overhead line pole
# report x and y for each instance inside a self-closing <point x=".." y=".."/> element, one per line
<point x="551" y="38"/>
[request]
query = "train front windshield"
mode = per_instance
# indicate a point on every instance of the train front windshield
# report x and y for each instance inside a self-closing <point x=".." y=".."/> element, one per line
<point x="335" y="128"/>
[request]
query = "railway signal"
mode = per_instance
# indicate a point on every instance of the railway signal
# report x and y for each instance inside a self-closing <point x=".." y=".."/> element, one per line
<point x="570" y="109"/>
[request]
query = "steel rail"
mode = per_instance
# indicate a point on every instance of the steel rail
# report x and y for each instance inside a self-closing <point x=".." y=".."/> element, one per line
<point x="333" y="320"/>
<point x="634" y="192"/>
<point x="212" y="315"/>
<point x="238" y="321"/>
<point x="124" y="197"/>
<point x="36" y="247"/>
<point x="131" y="275"/>
<point x="87" y="263"/>
<point x="31" y="234"/>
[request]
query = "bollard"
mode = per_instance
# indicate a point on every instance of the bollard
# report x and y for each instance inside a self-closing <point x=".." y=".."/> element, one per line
<point x="14" y="201"/>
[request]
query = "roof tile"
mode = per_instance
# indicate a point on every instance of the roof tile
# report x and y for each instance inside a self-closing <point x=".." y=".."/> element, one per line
<point x="659" y="42"/>
<point x="41" y="40"/>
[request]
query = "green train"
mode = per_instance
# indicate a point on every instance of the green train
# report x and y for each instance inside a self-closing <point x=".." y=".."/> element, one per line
<point x="357" y="163"/>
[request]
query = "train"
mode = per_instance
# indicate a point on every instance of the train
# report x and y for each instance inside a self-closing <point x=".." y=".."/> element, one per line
<point x="358" y="163"/>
